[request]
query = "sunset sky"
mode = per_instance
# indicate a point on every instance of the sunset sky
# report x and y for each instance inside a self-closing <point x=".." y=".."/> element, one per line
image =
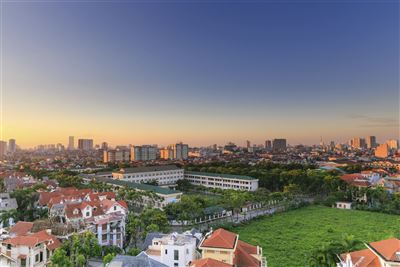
<point x="202" y="73"/>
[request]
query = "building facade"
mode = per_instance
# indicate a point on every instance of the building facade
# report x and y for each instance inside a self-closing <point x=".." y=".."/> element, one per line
<point x="143" y="153"/>
<point x="85" y="144"/>
<point x="173" y="250"/>
<point x="279" y="145"/>
<point x="164" y="174"/>
<point x="222" y="181"/>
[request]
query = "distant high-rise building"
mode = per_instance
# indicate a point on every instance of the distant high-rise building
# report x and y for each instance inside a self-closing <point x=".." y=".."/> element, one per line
<point x="382" y="151"/>
<point x="85" y="144"/>
<point x="393" y="144"/>
<point x="371" y="142"/>
<point x="177" y="151"/>
<point x="268" y="144"/>
<point x="60" y="147"/>
<point x="167" y="153"/>
<point x="3" y="149"/>
<point x="12" y="146"/>
<point x="143" y="153"/>
<point x="359" y="143"/>
<point x="248" y="144"/>
<point x="116" y="155"/>
<point x="71" y="143"/>
<point x="104" y="145"/>
<point x="279" y="145"/>
<point x="181" y="151"/>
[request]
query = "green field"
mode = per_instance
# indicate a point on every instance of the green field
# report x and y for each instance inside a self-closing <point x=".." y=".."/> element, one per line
<point x="288" y="238"/>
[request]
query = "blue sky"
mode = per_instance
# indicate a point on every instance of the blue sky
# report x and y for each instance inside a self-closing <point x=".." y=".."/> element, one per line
<point x="200" y="72"/>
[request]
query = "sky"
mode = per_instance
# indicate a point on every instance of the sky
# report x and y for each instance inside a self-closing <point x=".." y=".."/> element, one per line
<point x="199" y="72"/>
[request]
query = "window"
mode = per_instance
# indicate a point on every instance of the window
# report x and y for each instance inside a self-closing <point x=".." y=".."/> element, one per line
<point x="23" y="262"/>
<point x="8" y="246"/>
<point x="176" y="255"/>
<point x="187" y="251"/>
<point x="176" y="264"/>
<point x="115" y="207"/>
<point x="41" y="256"/>
<point x="87" y="214"/>
<point x="166" y="252"/>
<point x="37" y="258"/>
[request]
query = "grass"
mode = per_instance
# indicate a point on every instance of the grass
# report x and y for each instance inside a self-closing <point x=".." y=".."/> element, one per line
<point x="288" y="238"/>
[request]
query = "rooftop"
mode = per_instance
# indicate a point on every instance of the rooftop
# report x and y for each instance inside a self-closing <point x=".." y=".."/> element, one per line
<point x="222" y="175"/>
<point x="149" y="169"/>
<point x="138" y="186"/>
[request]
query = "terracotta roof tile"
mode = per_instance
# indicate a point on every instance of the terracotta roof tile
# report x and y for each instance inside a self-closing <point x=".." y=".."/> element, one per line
<point x="209" y="263"/>
<point x="220" y="239"/>
<point x="21" y="228"/>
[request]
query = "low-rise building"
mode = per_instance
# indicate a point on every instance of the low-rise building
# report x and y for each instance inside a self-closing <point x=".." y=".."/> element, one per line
<point x="343" y="205"/>
<point x="86" y="210"/>
<point x="222" y="181"/>
<point x="224" y="246"/>
<point x="165" y="195"/>
<point x="173" y="250"/>
<point x="384" y="253"/>
<point x="142" y="260"/>
<point x="28" y="250"/>
<point x="163" y="174"/>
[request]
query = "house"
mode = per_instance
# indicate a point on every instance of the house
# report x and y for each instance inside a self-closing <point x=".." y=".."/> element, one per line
<point x="173" y="249"/>
<point x="21" y="228"/>
<point x="384" y="253"/>
<point x="28" y="250"/>
<point x="86" y="210"/>
<point x="208" y="262"/>
<point x="142" y="260"/>
<point x="225" y="247"/>
<point x="343" y="205"/>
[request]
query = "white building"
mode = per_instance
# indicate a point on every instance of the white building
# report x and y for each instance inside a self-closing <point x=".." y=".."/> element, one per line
<point x="174" y="250"/>
<point x="165" y="195"/>
<point x="28" y="250"/>
<point x="164" y="175"/>
<point x="222" y="181"/>
<point x="343" y="205"/>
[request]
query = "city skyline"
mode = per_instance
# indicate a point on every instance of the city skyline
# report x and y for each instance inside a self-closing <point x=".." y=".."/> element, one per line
<point x="202" y="73"/>
<point x="241" y="143"/>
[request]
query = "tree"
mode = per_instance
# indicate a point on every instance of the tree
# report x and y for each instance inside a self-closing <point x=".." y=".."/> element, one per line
<point x="60" y="259"/>
<point x="108" y="258"/>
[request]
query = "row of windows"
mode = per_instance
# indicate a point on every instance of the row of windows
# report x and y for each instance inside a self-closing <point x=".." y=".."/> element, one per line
<point x="218" y="180"/>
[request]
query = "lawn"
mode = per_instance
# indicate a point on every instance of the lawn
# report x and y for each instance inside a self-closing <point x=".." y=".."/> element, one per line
<point x="288" y="238"/>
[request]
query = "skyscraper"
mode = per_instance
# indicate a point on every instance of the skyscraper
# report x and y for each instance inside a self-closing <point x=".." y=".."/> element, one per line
<point x="393" y="144"/>
<point x="12" y="146"/>
<point x="3" y="149"/>
<point x="371" y="142"/>
<point x="143" y="153"/>
<point x="268" y="144"/>
<point x="359" y="143"/>
<point x="181" y="151"/>
<point x="85" y="144"/>
<point x="71" y="143"/>
<point x="248" y="144"/>
<point x="279" y="145"/>
<point x="382" y="151"/>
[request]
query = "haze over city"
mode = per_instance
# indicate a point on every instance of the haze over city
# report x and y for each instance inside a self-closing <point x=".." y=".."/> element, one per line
<point x="203" y="73"/>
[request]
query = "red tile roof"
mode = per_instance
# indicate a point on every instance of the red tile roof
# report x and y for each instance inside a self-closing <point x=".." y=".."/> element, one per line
<point x="209" y="263"/>
<point x="21" y="228"/>
<point x="34" y="239"/>
<point x="220" y="239"/>
<point x="387" y="248"/>
<point x="364" y="258"/>
<point x="243" y="255"/>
